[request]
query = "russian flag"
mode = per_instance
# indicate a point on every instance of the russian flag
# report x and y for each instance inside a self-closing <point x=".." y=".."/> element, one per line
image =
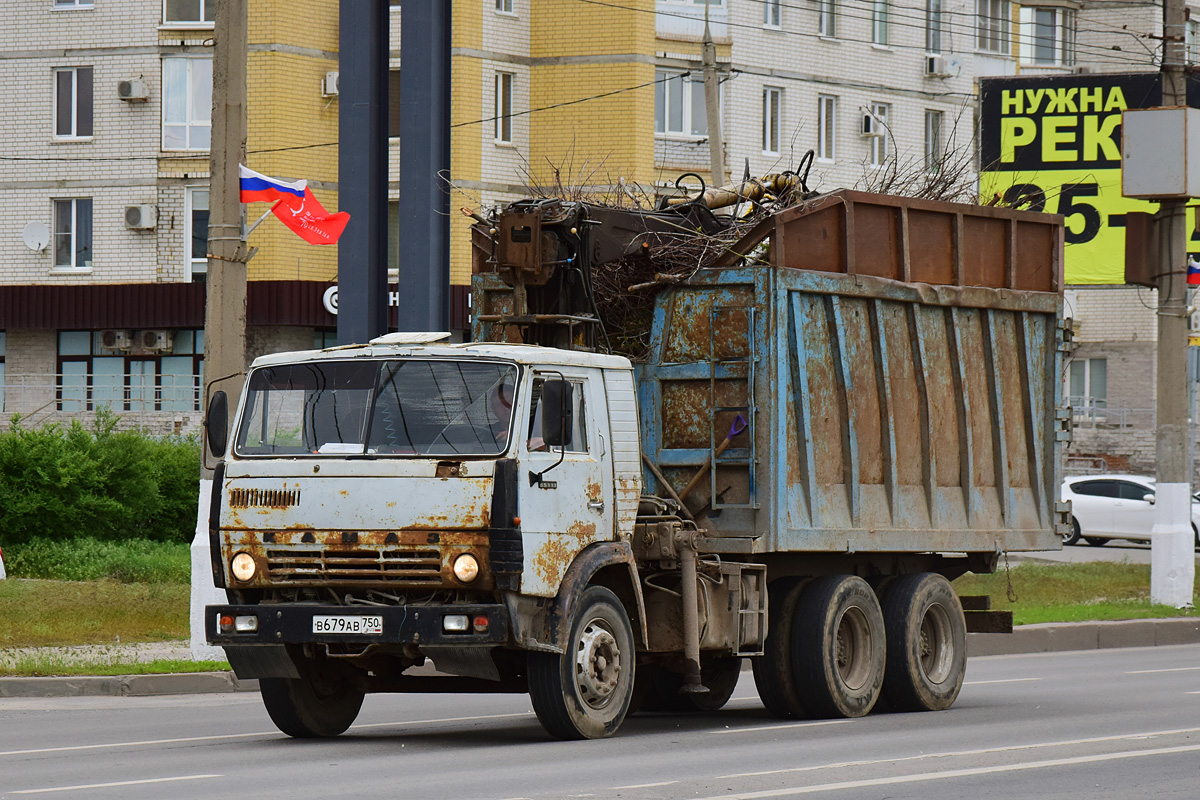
<point x="258" y="188"/>
<point x="1193" y="273"/>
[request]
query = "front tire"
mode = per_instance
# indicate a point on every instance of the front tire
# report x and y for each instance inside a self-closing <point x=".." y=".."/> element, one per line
<point x="321" y="703"/>
<point x="926" y="643"/>
<point x="585" y="692"/>
<point x="838" y="646"/>
<point x="1073" y="536"/>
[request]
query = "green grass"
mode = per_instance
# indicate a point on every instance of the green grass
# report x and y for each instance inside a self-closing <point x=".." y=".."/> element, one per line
<point x="84" y="559"/>
<point x="39" y="613"/>
<point x="1072" y="592"/>
<point x="52" y="665"/>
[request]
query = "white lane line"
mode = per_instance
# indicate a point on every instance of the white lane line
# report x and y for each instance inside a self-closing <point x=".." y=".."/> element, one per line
<point x="118" y="783"/>
<point x="1004" y="680"/>
<point x="783" y="726"/>
<point x="646" y="785"/>
<point x="219" y="737"/>
<point x="959" y="753"/>
<point x="1152" y="671"/>
<point x="955" y="773"/>
<point x="1191" y="692"/>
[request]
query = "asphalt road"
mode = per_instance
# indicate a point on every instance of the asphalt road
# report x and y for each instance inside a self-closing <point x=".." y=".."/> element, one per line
<point x="1095" y="724"/>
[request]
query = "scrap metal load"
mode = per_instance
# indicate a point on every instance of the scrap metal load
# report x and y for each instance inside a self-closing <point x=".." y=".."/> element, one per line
<point x="581" y="275"/>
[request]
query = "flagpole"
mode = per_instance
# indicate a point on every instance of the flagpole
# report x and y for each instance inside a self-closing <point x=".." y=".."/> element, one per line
<point x="259" y="221"/>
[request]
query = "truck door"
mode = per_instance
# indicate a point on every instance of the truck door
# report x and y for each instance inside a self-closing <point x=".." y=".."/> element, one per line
<point x="571" y="505"/>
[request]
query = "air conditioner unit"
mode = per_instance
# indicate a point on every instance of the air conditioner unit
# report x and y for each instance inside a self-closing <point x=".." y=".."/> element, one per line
<point x="133" y="90"/>
<point x="115" y="340"/>
<point x="329" y="85"/>
<point x="935" y="67"/>
<point x="156" y="341"/>
<point x="871" y="126"/>
<point x="140" y="218"/>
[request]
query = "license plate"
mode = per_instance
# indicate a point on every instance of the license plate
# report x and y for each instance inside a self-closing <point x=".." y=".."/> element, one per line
<point x="352" y="625"/>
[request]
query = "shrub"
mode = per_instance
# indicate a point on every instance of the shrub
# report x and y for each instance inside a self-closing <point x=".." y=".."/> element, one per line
<point x="62" y="482"/>
<point x="88" y="559"/>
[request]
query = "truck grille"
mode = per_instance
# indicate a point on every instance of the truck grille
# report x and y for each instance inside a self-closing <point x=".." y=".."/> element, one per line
<point x="352" y="566"/>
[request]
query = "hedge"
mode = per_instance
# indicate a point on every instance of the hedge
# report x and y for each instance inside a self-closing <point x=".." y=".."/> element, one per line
<point x="59" y="482"/>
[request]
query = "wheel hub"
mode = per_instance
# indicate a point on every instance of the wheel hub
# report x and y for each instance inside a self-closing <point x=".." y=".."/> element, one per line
<point x="597" y="664"/>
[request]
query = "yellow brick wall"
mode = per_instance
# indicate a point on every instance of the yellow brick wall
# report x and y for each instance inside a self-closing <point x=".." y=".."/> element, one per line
<point x="466" y="102"/>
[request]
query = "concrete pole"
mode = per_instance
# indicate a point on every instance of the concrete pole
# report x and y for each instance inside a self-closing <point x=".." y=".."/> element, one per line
<point x="712" y="106"/>
<point x="1172" y="560"/>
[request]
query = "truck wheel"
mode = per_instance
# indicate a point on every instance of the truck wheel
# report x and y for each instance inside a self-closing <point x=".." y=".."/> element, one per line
<point x="926" y="643"/>
<point x="318" y="704"/>
<point x="773" y="674"/>
<point x="585" y="692"/>
<point x="838" y="646"/>
<point x="719" y="674"/>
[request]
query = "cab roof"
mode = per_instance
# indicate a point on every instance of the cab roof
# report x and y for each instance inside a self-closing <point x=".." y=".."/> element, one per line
<point x="393" y="346"/>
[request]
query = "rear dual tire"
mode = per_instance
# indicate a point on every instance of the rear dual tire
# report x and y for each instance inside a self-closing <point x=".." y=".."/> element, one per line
<point x="926" y="643"/>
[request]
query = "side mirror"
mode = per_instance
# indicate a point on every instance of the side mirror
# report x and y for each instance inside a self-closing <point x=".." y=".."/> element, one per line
<point x="558" y="411"/>
<point x="217" y="424"/>
<point x="1149" y="498"/>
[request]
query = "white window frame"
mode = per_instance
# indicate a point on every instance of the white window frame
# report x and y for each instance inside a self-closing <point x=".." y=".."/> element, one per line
<point x="189" y="24"/>
<point x="934" y="140"/>
<point x="772" y="120"/>
<point x="934" y="26"/>
<point x="70" y="5"/>
<point x="879" y="23"/>
<point x="505" y="7"/>
<point x="74" y="135"/>
<point x="1061" y="40"/>
<point x="195" y="267"/>
<point x="503" y="108"/>
<point x="190" y="124"/>
<point x="73" y="233"/>
<point x="827" y="18"/>
<point x="826" y="127"/>
<point x="693" y="114"/>
<point x="1191" y="34"/>
<point x="879" y="144"/>
<point x="992" y="21"/>
<point x="773" y="14"/>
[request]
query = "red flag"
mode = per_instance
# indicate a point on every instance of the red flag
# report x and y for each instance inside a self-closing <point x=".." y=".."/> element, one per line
<point x="309" y="220"/>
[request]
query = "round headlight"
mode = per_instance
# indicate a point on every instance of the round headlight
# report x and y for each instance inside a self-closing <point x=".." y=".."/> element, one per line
<point x="243" y="566"/>
<point x="466" y="568"/>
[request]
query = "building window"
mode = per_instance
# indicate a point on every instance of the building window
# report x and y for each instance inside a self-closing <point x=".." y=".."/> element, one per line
<point x="73" y="233"/>
<point x="933" y="141"/>
<point x="187" y="103"/>
<point x="197" y="233"/>
<point x="1191" y="35"/>
<point x="878" y="116"/>
<point x="827" y="18"/>
<point x="73" y="102"/>
<point x="772" y="106"/>
<point x="679" y="104"/>
<point x="504" y="6"/>
<point x="395" y="112"/>
<point x="879" y="22"/>
<point x="933" y="26"/>
<point x="72" y="3"/>
<point x="134" y="371"/>
<point x="3" y="345"/>
<point x="504" y="107"/>
<point x="393" y="254"/>
<point x="991" y="33"/>
<point x="1048" y="36"/>
<point x="189" y="10"/>
<point x="1087" y="387"/>
<point x="773" y="13"/>
<point x="826" y="127"/>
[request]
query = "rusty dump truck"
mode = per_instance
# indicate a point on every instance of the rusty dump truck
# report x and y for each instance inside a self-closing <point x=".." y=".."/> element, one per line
<point x="855" y="403"/>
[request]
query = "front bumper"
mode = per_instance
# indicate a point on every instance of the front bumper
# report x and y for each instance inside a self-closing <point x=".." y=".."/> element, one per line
<point x="419" y="625"/>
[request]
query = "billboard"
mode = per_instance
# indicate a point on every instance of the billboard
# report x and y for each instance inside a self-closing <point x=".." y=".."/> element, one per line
<point x="1056" y="142"/>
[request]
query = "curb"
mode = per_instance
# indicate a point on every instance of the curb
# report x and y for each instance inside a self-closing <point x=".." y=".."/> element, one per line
<point x="1049" y="637"/>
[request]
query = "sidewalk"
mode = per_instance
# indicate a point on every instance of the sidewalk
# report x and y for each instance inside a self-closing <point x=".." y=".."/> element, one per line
<point x="1046" y="638"/>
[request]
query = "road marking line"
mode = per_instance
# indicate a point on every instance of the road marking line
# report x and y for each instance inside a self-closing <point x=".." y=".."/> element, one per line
<point x="1004" y="680"/>
<point x="780" y="727"/>
<point x="118" y="783"/>
<point x="1152" y="671"/>
<point x="646" y="785"/>
<point x="218" y="737"/>
<point x="1191" y="692"/>
<point x="960" y="753"/>
<point x="955" y="773"/>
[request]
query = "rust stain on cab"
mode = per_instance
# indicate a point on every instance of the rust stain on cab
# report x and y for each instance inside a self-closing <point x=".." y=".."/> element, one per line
<point x="554" y="557"/>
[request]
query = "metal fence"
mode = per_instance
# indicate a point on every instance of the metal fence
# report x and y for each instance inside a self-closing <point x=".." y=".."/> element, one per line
<point x="1088" y="412"/>
<point x="155" y="402"/>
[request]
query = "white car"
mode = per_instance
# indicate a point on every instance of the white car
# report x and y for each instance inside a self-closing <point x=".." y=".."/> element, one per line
<point x="1107" y="507"/>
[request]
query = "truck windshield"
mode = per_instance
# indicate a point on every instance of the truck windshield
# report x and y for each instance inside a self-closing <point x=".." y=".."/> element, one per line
<point x="405" y="407"/>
